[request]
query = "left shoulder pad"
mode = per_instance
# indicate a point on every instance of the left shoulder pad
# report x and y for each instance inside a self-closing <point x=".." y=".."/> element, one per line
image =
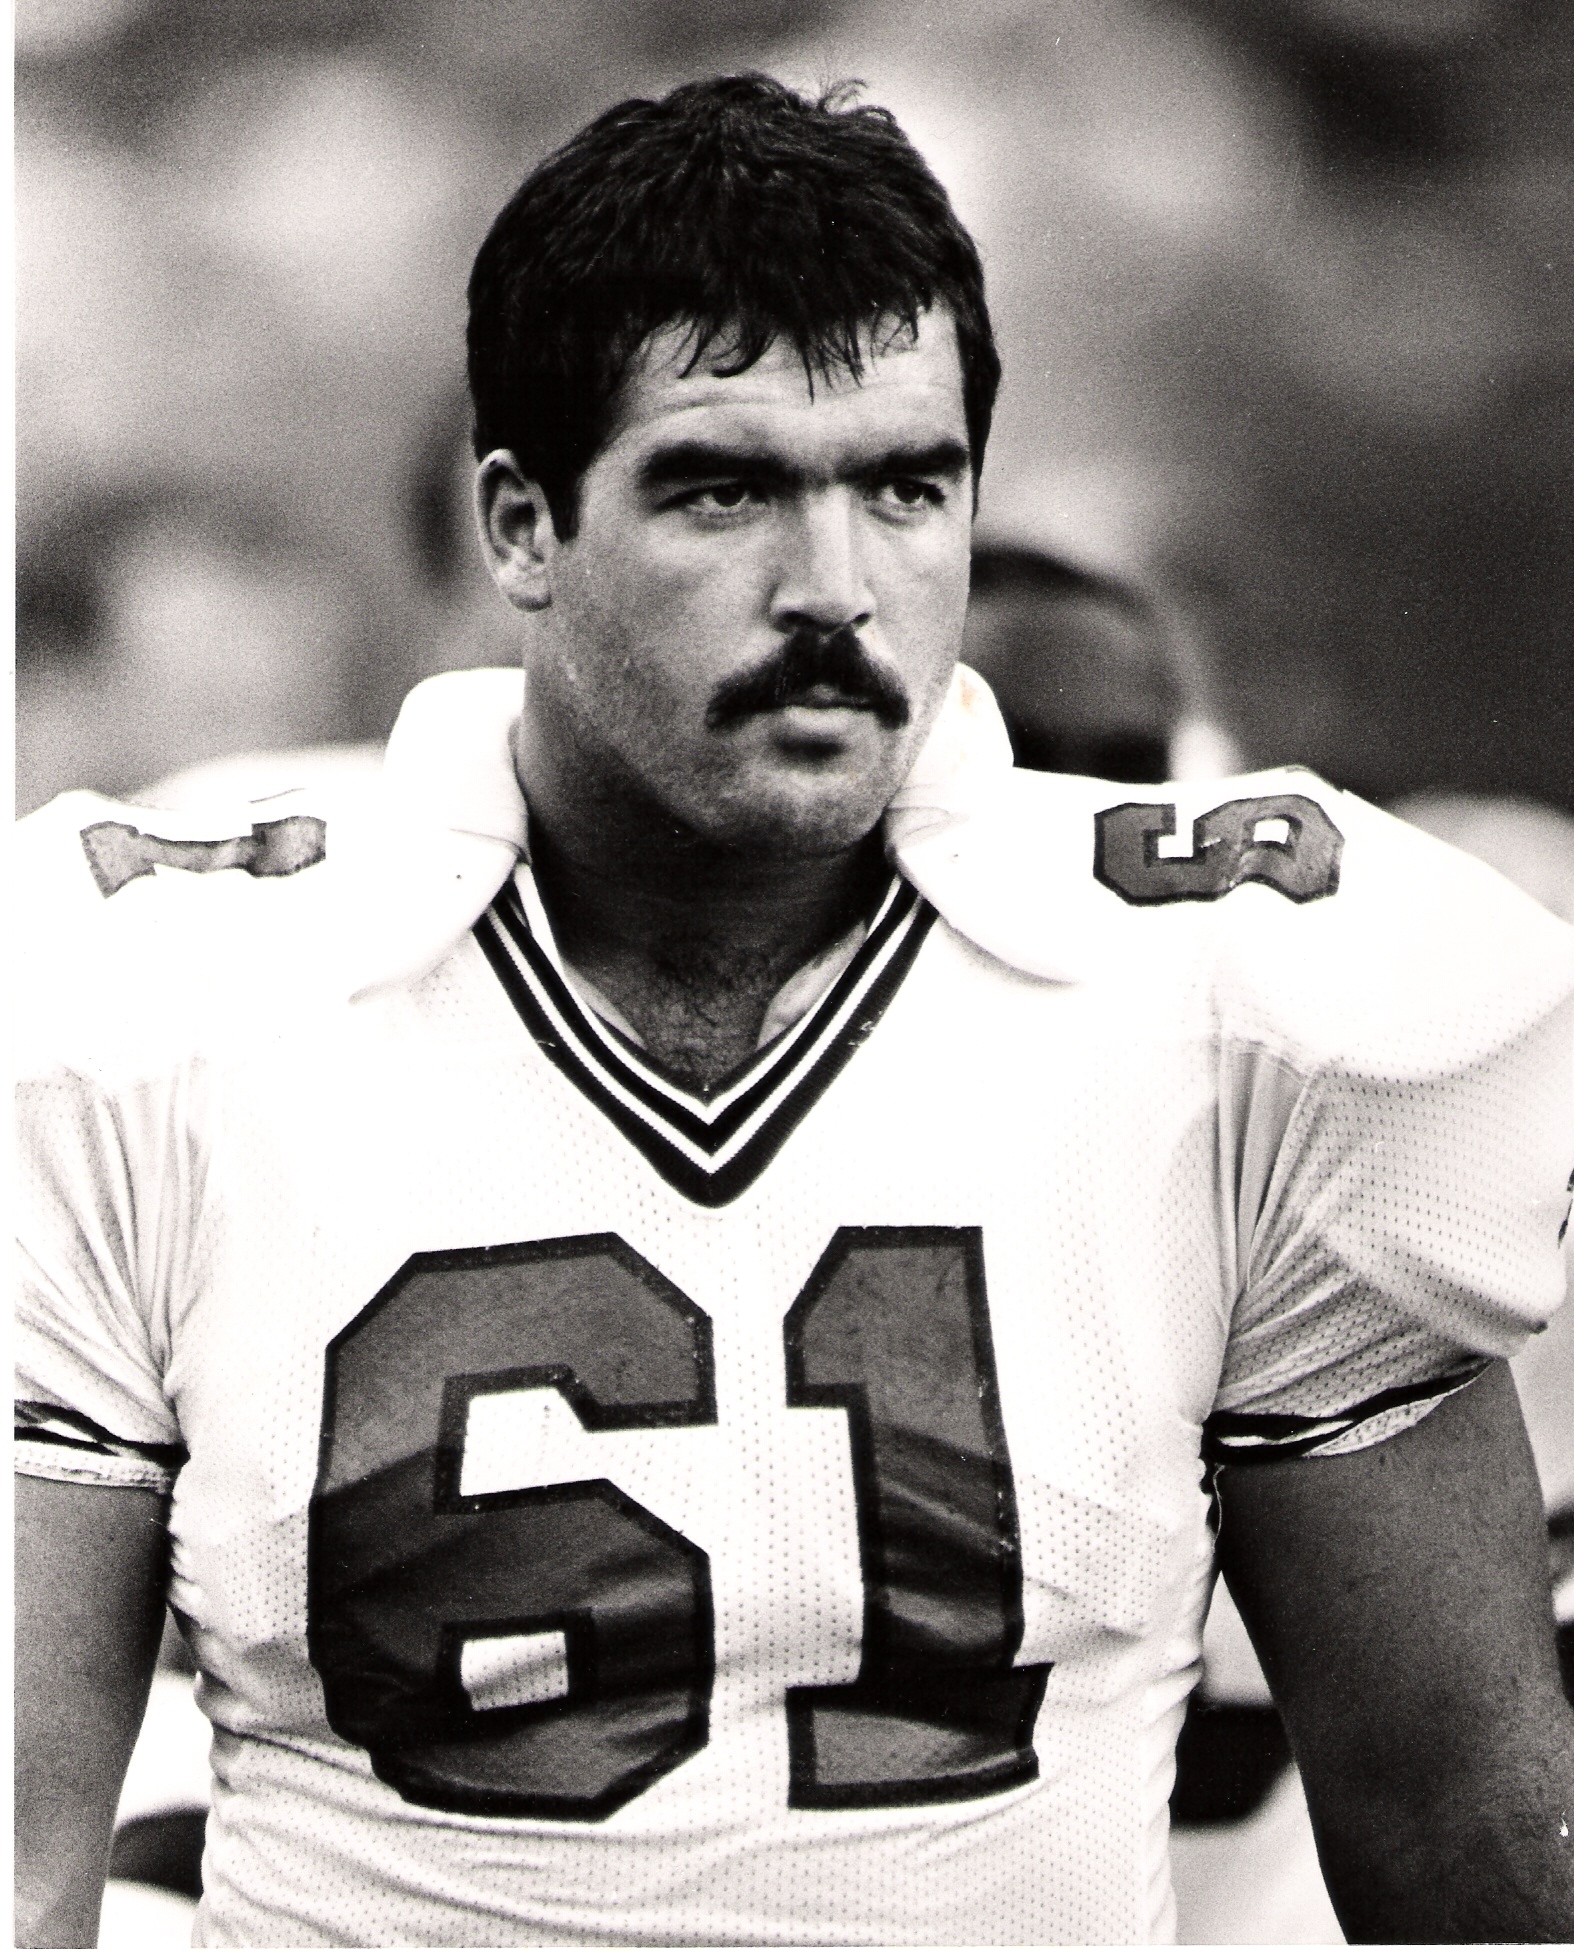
<point x="1316" y="923"/>
<point x="1064" y="876"/>
<point x="1375" y="946"/>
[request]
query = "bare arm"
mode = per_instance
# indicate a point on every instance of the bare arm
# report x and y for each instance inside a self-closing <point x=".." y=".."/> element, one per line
<point x="90" y="1564"/>
<point x="1398" y="1600"/>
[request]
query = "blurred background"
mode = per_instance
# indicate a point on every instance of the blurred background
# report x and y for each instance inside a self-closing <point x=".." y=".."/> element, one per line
<point x="1284" y="295"/>
<point x="1285" y="301"/>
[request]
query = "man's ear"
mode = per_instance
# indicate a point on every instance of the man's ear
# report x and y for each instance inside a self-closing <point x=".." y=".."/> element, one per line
<point x="518" y="536"/>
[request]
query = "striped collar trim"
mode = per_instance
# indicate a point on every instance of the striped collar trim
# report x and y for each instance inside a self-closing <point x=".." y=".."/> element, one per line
<point x="711" y="1146"/>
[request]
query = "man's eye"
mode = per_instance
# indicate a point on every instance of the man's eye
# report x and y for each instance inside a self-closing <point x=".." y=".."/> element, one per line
<point x="909" y="492"/>
<point x="722" y="496"/>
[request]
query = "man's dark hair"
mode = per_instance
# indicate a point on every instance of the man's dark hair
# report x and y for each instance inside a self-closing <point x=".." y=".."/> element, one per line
<point x="735" y="207"/>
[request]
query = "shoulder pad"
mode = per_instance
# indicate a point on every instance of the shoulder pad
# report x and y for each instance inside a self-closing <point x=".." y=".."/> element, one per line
<point x="147" y="933"/>
<point x="1316" y="923"/>
<point x="132" y="921"/>
<point x="82" y="845"/>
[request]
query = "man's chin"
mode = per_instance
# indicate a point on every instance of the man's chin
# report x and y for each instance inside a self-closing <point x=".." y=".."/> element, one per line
<point x="815" y="798"/>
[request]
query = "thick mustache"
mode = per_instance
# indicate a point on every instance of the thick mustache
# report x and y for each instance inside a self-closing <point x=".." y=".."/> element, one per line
<point x="808" y="659"/>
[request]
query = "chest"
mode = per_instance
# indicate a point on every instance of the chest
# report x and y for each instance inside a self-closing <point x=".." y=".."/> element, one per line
<point x="510" y="1417"/>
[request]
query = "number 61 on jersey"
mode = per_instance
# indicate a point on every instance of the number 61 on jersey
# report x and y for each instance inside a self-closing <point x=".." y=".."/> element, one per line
<point x="420" y="1595"/>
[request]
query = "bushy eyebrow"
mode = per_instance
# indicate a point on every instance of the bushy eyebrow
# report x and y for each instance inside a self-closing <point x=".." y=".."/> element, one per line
<point x="680" y="464"/>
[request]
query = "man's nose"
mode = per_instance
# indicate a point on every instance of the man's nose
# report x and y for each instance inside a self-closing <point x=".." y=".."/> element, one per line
<point x="822" y="581"/>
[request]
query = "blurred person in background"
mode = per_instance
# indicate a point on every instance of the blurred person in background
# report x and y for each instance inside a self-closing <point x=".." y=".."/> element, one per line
<point x="1083" y="686"/>
<point x="923" y="1687"/>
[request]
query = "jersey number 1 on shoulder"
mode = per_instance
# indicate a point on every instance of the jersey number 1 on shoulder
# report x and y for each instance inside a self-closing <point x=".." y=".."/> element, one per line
<point x="548" y="1652"/>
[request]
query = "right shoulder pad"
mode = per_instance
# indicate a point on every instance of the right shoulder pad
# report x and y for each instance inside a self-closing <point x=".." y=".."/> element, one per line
<point x="127" y="922"/>
<point x="83" y="846"/>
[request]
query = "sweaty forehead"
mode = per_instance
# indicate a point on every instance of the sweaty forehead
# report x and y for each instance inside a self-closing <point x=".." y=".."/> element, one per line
<point x="911" y="385"/>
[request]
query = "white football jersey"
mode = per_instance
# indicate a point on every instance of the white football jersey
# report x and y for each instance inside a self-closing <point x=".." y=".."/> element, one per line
<point x="611" y="1514"/>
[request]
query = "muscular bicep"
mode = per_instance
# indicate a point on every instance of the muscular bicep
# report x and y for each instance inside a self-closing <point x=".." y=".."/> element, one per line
<point x="1398" y="1598"/>
<point x="90" y="1567"/>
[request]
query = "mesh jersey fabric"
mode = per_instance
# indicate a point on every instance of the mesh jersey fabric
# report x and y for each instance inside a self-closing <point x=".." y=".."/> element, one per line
<point x="811" y="1556"/>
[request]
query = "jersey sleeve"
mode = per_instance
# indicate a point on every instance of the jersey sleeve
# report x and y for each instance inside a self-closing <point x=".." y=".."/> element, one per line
<point x="92" y="1255"/>
<point x="108" y="1190"/>
<point x="154" y="941"/>
<point x="1398" y="1131"/>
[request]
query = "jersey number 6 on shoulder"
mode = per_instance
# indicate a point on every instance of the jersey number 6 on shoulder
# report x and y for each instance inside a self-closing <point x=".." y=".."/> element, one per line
<point x="548" y="1652"/>
<point x="1283" y="841"/>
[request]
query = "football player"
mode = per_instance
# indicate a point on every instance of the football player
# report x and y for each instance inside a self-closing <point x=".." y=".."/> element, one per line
<point x="668" y="1305"/>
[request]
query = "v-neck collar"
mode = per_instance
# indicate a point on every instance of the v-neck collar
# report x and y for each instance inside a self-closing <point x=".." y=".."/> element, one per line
<point x="710" y="1145"/>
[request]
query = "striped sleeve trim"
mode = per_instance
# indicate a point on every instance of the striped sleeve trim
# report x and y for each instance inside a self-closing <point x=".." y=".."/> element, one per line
<point x="75" y="1445"/>
<point x="1560" y="1540"/>
<point x="1269" y="1437"/>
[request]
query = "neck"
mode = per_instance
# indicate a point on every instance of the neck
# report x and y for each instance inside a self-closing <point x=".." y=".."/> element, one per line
<point x="690" y="939"/>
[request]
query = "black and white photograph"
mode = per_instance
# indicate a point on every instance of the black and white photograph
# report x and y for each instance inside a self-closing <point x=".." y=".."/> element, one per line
<point x="793" y="975"/>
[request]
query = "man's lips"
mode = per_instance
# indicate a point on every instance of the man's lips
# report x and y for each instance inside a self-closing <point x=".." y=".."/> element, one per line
<point x="827" y="698"/>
